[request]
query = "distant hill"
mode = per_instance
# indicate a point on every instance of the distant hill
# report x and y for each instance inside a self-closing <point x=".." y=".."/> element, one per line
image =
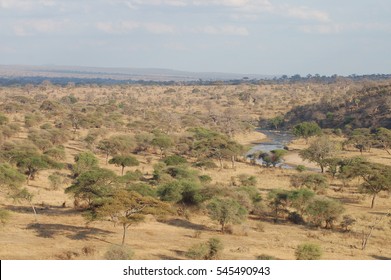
<point x="368" y="107"/>
<point x="117" y="74"/>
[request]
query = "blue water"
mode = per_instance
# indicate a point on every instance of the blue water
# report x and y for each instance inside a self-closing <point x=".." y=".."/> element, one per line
<point x="275" y="140"/>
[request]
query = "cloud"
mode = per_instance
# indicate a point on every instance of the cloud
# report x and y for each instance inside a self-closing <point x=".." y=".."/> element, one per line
<point x="159" y="28"/>
<point x="33" y="27"/>
<point x="222" y="30"/>
<point x="335" y="28"/>
<point x="26" y="4"/>
<point x="123" y="27"/>
<point x="305" y="13"/>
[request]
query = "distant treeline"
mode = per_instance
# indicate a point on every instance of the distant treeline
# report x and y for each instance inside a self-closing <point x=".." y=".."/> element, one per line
<point x="63" y="81"/>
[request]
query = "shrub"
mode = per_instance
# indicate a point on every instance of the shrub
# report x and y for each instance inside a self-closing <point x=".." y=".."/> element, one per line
<point x="205" y="178"/>
<point x="347" y="221"/>
<point x="4" y="216"/>
<point x="247" y="180"/>
<point x="209" y="250"/>
<point x="265" y="257"/>
<point x="323" y="209"/>
<point x="198" y="252"/>
<point x="308" y="251"/>
<point x="55" y="180"/>
<point x="301" y="168"/>
<point x="174" y="160"/>
<point x="208" y="164"/>
<point x="119" y="253"/>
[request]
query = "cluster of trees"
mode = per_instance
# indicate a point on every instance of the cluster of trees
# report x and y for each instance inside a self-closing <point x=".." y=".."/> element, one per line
<point x="303" y="205"/>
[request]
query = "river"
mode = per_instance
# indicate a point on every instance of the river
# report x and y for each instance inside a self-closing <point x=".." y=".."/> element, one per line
<point x="275" y="140"/>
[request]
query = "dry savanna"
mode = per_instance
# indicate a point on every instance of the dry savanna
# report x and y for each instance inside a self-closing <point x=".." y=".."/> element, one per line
<point x="164" y="171"/>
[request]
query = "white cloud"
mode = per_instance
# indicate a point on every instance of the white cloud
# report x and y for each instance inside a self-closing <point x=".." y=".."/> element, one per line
<point x="123" y="27"/>
<point x="159" y="28"/>
<point x="33" y="27"/>
<point x="222" y="30"/>
<point x="334" y="28"/>
<point x="305" y="13"/>
<point x="27" y="4"/>
<point x="321" y="28"/>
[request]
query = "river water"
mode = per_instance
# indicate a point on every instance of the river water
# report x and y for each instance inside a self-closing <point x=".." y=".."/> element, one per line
<point x="275" y="140"/>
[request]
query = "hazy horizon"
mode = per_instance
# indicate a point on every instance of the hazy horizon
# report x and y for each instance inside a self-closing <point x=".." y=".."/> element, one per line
<point x="263" y="37"/>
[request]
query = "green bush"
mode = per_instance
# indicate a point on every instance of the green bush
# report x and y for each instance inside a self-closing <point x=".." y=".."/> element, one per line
<point x="308" y="251"/>
<point x="205" y="178"/>
<point x="119" y="253"/>
<point x="174" y="160"/>
<point x="208" y="164"/>
<point x="301" y="168"/>
<point x="209" y="250"/>
<point x="4" y="216"/>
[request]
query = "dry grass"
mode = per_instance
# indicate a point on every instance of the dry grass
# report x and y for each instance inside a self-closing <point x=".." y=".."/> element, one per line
<point x="61" y="233"/>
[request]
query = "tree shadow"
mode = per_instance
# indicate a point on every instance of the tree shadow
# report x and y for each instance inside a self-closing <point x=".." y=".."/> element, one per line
<point x="185" y="224"/>
<point x="47" y="210"/>
<point x="381" y="258"/>
<point x="71" y="232"/>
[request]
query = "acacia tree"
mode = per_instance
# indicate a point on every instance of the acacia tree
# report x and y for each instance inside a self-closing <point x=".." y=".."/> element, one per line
<point x="322" y="209"/>
<point x="124" y="161"/>
<point x="92" y="186"/>
<point x="218" y="146"/>
<point x="306" y="130"/>
<point x="83" y="162"/>
<point x="163" y="142"/>
<point x="127" y="208"/>
<point x="11" y="182"/>
<point x="320" y="150"/>
<point x="383" y="137"/>
<point x="226" y="211"/>
<point x="107" y="147"/>
<point x="362" y="139"/>
<point x="376" y="177"/>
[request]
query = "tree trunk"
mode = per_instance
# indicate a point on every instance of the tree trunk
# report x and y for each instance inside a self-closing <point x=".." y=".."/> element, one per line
<point x="28" y="179"/>
<point x="35" y="212"/>
<point x="122" y="171"/>
<point x="107" y="157"/>
<point x="233" y="162"/>
<point x="221" y="163"/>
<point x="373" y="200"/>
<point x="123" y="234"/>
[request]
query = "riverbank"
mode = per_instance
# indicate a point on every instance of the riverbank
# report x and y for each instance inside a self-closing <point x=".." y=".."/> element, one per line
<point x="253" y="137"/>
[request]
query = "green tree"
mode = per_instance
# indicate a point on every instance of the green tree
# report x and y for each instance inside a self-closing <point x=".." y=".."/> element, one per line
<point x="320" y="150"/>
<point x="306" y="130"/>
<point x="124" y="161"/>
<point x="128" y="208"/>
<point x="226" y="211"/>
<point x="33" y="165"/>
<point x="217" y="146"/>
<point x="322" y="209"/>
<point x="92" y="186"/>
<point x="107" y="147"/>
<point x="299" y="199"/>
<point x="278" y="202"/>
<point x="361" y="138"/>
<point x="277" y="121"/>
<point x="10" y="178"/>
<point x="163" y="142"/>
<point x="84" y="161"/>
<point x="383" y="137"/>
<point x="314" y="181"/>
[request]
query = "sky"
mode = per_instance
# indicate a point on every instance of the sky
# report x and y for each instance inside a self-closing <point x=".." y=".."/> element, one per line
<point x="267" y="37"/>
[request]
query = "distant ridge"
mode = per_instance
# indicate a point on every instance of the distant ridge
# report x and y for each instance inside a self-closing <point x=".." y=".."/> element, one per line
<point x="146" y="74"/>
